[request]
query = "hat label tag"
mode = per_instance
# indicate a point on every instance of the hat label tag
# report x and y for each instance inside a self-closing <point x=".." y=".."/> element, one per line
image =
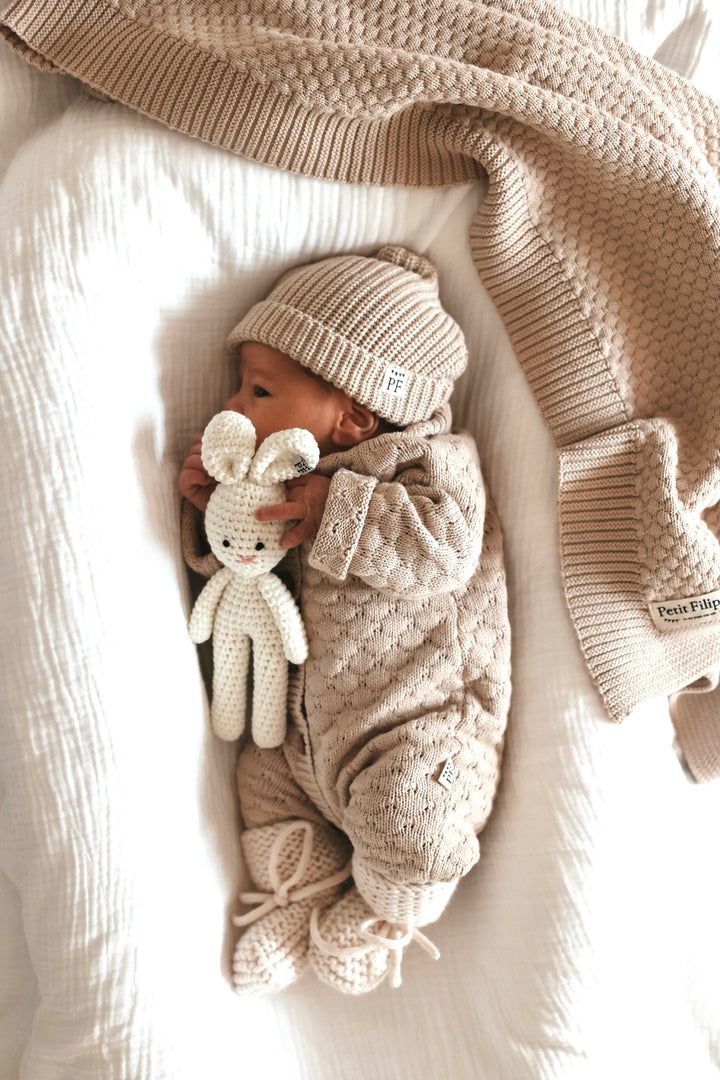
<point x="394" y="380"/>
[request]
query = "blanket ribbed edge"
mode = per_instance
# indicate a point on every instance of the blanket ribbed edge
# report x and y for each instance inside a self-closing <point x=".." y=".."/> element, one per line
<point x="201" y="94"/>
<point x="195" y="92"/>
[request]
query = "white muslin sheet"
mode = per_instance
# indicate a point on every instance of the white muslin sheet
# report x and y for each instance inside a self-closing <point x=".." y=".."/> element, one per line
<point x="585" y="944"/>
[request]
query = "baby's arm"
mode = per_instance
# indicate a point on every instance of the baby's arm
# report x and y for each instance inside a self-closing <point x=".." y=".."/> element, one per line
<point x="419" y="533"/>
<point x="196" y="486"/>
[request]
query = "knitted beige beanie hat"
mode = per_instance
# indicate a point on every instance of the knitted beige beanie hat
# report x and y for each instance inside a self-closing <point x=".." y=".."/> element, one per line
<point x="373" y="326"/>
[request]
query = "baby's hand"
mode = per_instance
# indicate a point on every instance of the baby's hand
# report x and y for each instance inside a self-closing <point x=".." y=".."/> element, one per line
<point x="195" y="484"/>
<point x="306" y="506"/>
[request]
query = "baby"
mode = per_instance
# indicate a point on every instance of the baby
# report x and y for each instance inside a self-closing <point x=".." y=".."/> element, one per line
<point x="359" y="827"/>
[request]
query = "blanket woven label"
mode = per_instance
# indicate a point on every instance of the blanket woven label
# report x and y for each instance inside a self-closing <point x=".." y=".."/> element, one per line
<point x="685" y="612"/>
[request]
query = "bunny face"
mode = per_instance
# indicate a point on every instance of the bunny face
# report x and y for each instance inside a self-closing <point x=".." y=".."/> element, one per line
<point x="246" y="546"/>
<point x="247" y="480"/>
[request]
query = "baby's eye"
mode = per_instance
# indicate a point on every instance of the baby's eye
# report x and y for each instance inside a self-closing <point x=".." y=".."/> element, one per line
<point x="259" y="391"/>
<point x="259" y="546"/>
<point x="226" y="543"/>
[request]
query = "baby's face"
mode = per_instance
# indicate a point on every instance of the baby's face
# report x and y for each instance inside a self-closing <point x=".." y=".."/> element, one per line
<point x="276" y="392"/>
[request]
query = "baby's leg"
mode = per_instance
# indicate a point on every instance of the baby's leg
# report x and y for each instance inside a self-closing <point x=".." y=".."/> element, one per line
<point x="416" y="809"/>
<point x="268" y="791"/>
<point x="413" y="840"/>
<point x="416" y="796"/>
<point x="296" y="860"/>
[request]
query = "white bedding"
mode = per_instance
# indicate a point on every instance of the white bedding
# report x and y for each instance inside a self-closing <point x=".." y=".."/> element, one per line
<point x="585" y="944"/>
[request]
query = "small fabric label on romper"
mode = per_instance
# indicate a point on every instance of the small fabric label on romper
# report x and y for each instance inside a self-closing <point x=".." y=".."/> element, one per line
<point x="686" y="612"/>
<point x="447" y="774"/>
<point x="301" y="466"/>
<point x="394" y="379"/>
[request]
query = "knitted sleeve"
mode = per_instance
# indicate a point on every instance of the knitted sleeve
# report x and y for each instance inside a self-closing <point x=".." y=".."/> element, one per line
<point x="421" y="531"/>
<point x="195" y="548"/>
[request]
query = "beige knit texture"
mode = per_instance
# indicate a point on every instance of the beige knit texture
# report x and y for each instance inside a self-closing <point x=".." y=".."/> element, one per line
<point x="408" y="904"/>
<point x="404" y="602"/>
<point x="598" y="242"/>
<point x="355" y="966"/>
<point x="272" y="952"/>
<point x="371" y="325"/>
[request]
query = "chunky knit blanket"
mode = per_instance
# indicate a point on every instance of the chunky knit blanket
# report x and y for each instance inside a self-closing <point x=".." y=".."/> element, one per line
<point x="598" y="243"/>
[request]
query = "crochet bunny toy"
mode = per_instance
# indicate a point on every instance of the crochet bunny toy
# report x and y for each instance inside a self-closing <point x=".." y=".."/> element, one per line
<point x="244" y="600"/>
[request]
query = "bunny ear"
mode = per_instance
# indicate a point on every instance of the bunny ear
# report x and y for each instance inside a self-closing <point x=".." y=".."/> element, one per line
<point x="228" y="444"/>
<point x="284" y="454"/>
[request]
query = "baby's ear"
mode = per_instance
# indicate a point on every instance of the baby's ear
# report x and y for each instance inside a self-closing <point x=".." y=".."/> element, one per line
<point x="284" y="454"/>
<point x="228" y="444"/>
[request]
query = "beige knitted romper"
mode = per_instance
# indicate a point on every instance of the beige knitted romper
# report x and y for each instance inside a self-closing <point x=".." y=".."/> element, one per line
<point x="404" y="603"/>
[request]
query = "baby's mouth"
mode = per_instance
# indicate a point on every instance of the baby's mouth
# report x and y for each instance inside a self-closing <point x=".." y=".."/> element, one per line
<point x="246" y="558"/>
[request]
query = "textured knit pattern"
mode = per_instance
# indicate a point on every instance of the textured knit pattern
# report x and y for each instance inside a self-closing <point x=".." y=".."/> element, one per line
<point x="404" y="603"/>
<point x="243" y="601"/>
<point x="407" y="904"/>
<point x="352" y="950"/>
<point x="372" y="326"/>
<point x="412" y="606"/>
<point x="298" y="866"/>
<point x="598" y="241"/>
<point x="352" y="964"/>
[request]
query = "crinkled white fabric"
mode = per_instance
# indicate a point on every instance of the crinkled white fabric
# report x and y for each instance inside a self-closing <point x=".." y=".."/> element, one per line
<point x="585" y="944"/>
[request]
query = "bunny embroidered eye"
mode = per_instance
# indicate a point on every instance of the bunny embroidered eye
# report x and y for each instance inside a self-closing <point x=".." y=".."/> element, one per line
<point x="226" y="543"/>
<point x="259" y="546"/>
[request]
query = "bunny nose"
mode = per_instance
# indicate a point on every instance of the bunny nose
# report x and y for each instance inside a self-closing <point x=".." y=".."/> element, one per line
<point x="246" y="558"/>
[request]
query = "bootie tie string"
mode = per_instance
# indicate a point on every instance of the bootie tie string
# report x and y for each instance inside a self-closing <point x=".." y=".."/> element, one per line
<point x="392" y="936"/>
<point x="281" y="895"/>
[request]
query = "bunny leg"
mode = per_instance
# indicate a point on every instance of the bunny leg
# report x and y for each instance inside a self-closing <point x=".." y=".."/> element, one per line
<point x="231" y="656"/>
<point x="270" y="674"/>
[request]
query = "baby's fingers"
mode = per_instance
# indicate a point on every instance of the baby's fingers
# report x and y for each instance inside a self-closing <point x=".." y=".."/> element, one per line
<point x="297" y="481"/>
<point x="201" y="499"/>
<point x="287" y="511"/>
<point x="194" y="461"/>
<point x="198" y="496"/>
<point x="195" y="476"/>
<point x="295" y="536"/>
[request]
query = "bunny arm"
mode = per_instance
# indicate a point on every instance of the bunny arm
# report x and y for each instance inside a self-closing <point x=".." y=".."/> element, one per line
<point x="287" y="617"/>
<point x="202" y="618"/>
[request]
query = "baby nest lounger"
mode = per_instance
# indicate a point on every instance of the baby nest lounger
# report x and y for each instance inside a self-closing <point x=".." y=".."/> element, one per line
<point x="138" y="224"/>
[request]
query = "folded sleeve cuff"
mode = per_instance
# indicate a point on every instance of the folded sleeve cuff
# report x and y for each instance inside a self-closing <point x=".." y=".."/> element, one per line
<point x="342" y="523"/>
<point x="413" y="904"/>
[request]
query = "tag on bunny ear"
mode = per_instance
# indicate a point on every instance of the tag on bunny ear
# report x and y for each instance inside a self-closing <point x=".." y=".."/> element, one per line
<point x="283" y="455"/>
<point x="301" y="466"/>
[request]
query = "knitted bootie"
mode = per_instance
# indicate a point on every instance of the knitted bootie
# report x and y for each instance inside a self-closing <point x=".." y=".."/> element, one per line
<point x="301" y="865"/>
<point x="352" y="949"/>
